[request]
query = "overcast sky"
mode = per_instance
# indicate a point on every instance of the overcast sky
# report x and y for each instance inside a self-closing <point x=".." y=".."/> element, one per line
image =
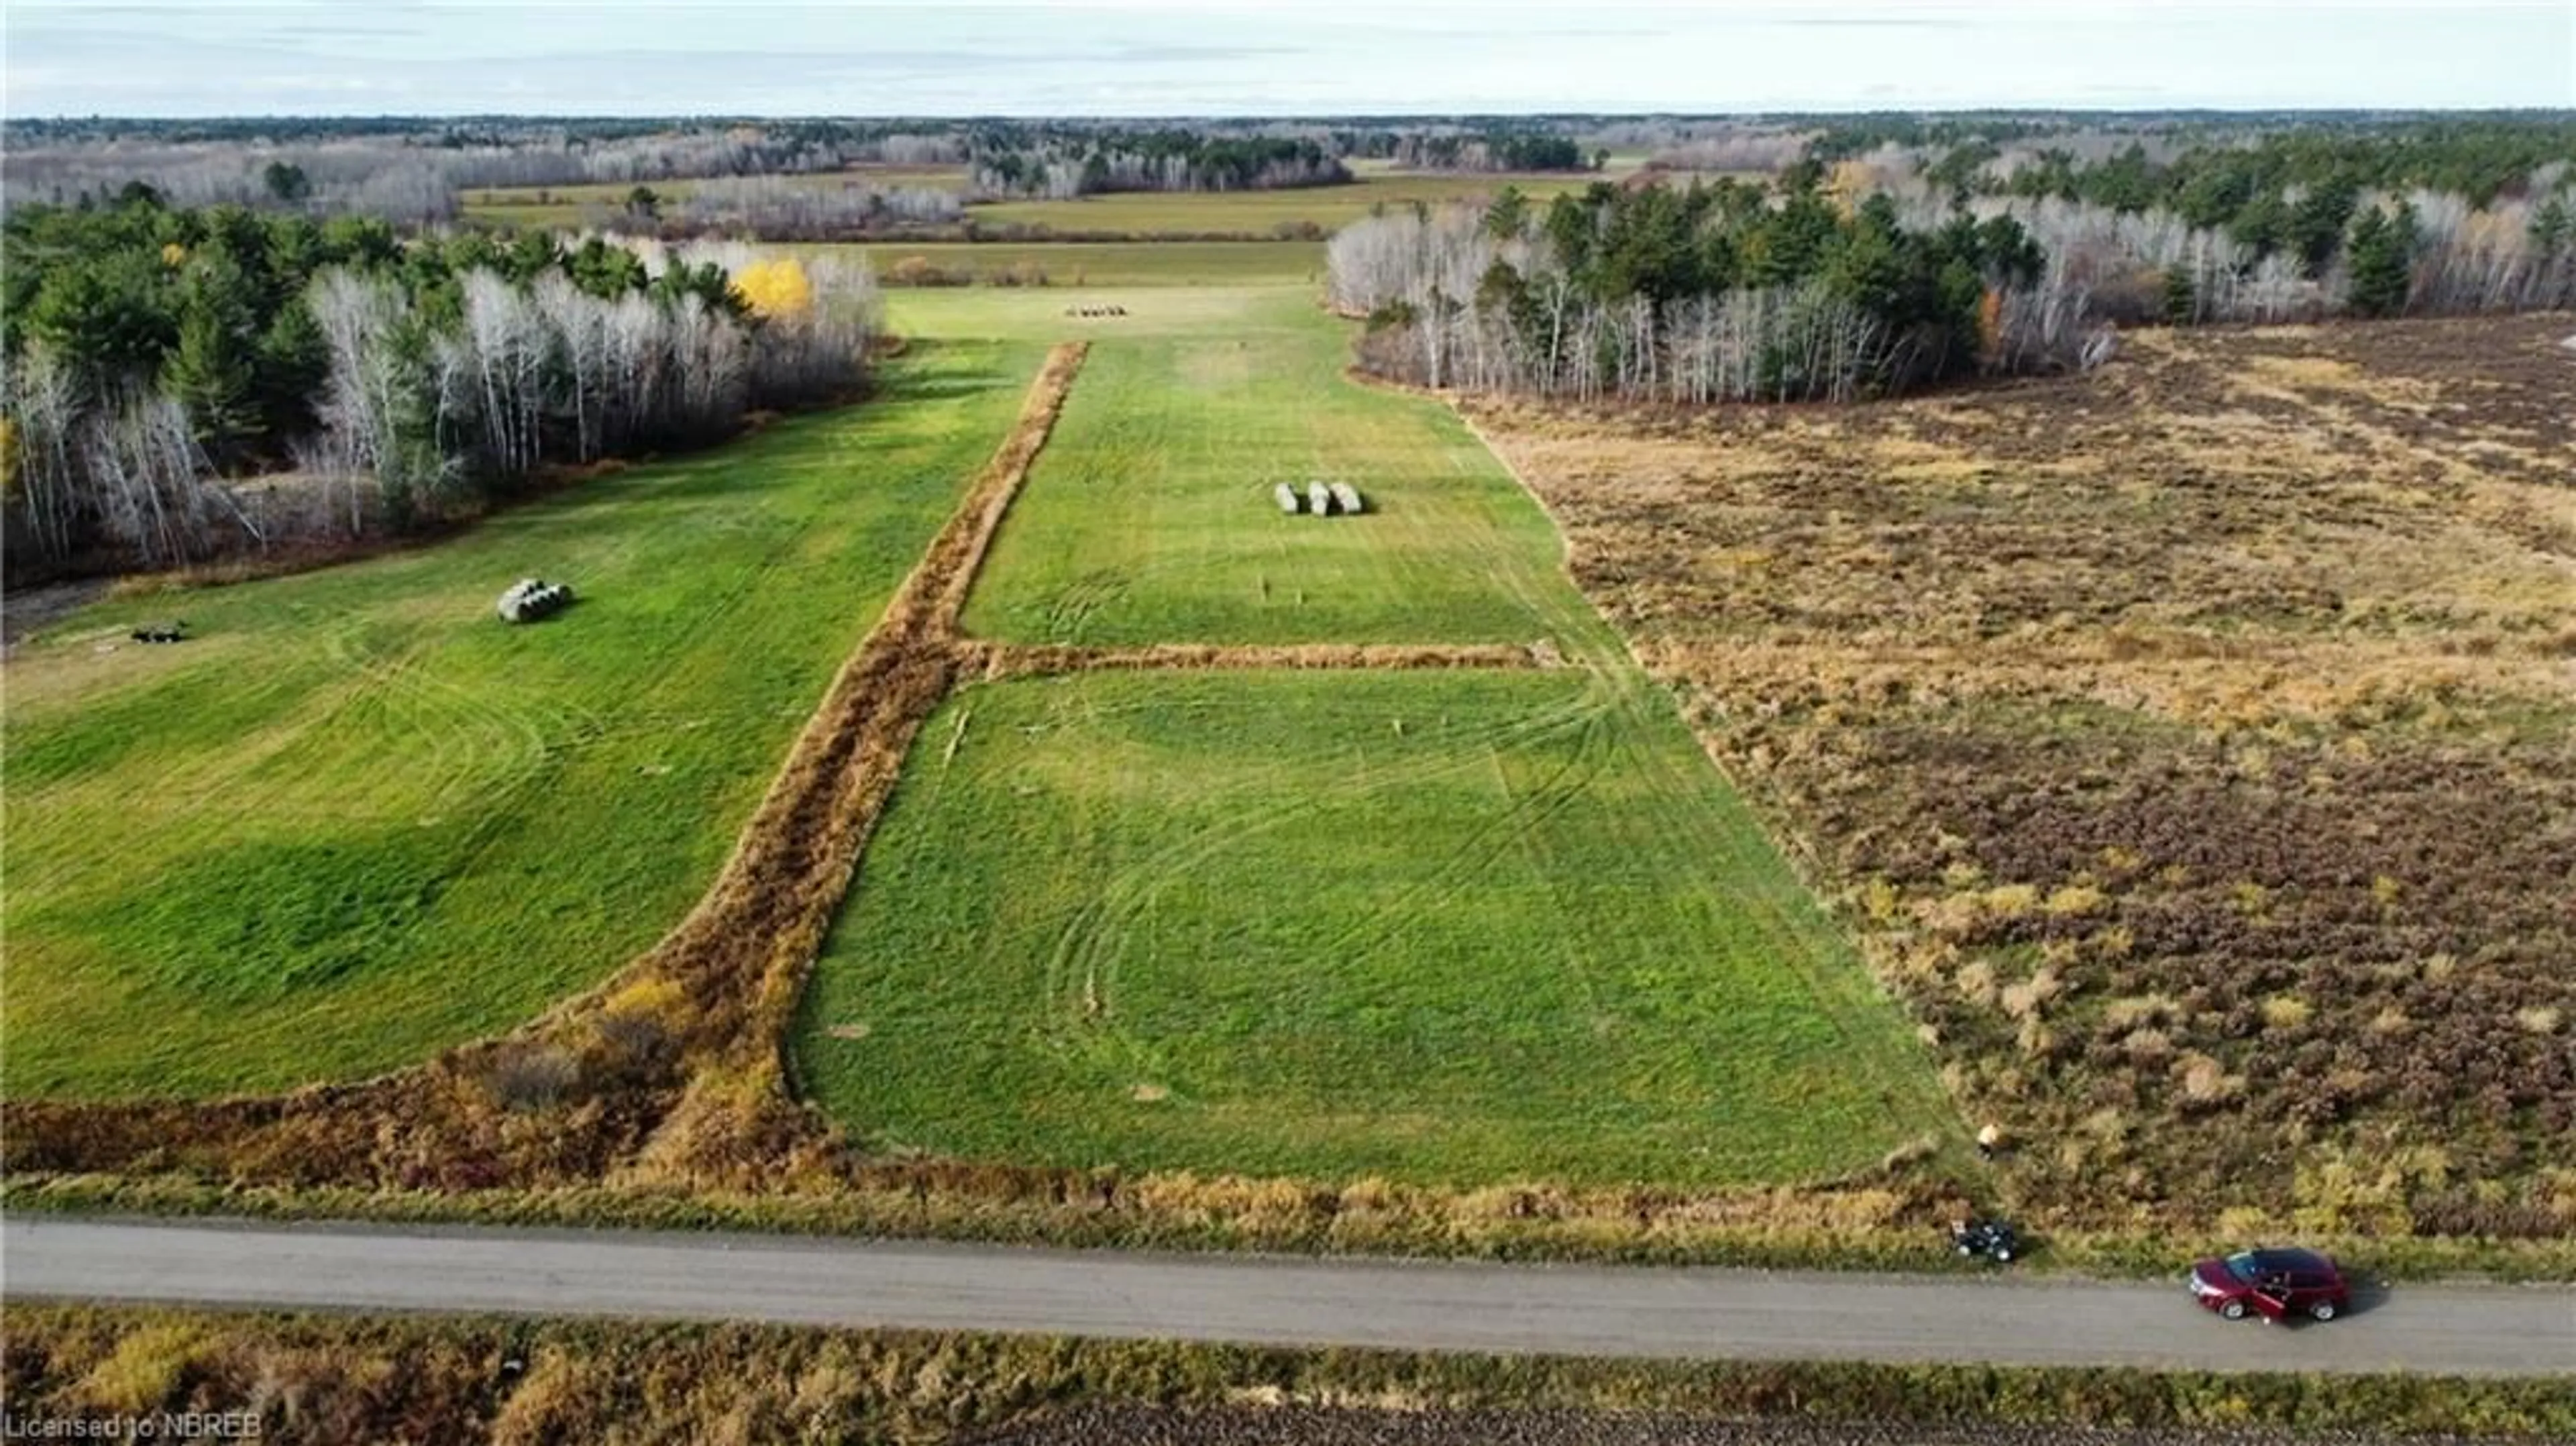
<point x="642" y="57"/>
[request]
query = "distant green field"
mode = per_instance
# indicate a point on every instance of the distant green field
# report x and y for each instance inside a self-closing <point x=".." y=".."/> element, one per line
<point x="1269" y="310"/>
<point x="1330" y="207"/>
<point x="565" y="205"/>
<point x="1074" y="264"/>
<point x="1149" y="517"/>
<point x="357" y="818"/>
<point x="1460" y="928"/>
<point x="1141" y="213"/>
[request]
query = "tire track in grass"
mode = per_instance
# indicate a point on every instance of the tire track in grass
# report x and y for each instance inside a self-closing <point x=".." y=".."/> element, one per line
<point x="1785" y="910"/>
<point x="727" y="1118"/>
<point x="1079" y="984"/>
<point x="720" y="1112"/>
<point x="1097" y="927"/>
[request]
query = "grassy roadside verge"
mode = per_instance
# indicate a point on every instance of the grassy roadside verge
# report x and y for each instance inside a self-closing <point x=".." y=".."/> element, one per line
<point x="331" y="1378"/>
<point x="1858" y="1229"/>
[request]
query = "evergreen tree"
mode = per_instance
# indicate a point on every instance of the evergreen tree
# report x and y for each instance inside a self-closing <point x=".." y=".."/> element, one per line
<point x="2552" y="227"/>
<point x="293" y="361"/>
<point x="2182" y="298"/>
<point x="2380" y="263"/>
<point x="2317" y="223"/>
<point x="210" y="373"/>
<point x="287" y="183"/>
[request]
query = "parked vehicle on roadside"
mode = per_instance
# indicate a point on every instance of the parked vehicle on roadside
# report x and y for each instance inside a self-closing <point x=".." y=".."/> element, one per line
<point x="1992" y="1239"/>
<point x="2273" y="1284"/>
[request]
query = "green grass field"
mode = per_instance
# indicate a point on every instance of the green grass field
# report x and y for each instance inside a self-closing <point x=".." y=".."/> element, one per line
<point x="357" y="818"/>
<point x="1177" y="213"/>
<point x="570" y="205"/>
<point x="1149" y="517"/>
<point x="1142" y="213"/>
<point x="1440" y="927"/>
<point x="1076" y="264"/>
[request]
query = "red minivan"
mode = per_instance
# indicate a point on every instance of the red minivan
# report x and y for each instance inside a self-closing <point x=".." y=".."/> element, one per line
<point x="2272" y="1284"/>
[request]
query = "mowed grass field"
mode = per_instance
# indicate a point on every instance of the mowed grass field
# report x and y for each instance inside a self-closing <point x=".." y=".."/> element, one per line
<point x="356" y="818"/>
<point x="1179" y="213"/>
<point x="1452" y="926"/>
<point x="1142" y="213"/>
<point x="1437" y="927"/>
<point x="570" y="205"/>
<point x="1077" y="264"/>
<point x="1150" y="518"/>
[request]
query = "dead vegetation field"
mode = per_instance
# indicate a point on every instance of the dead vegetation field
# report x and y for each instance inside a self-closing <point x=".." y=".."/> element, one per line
<point x="2192" y="744"/>
<point x="1298" y="1425"/>
<point x="329" y="1379"/>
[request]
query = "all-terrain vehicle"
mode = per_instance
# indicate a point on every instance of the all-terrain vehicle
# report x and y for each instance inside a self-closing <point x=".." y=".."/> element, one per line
<point x="1992" y="1239"/>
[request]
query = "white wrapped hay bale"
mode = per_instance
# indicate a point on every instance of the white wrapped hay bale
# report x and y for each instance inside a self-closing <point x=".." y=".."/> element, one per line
<point x="531" y="598"/>
<point x="1347" y="498"/>
<point x="1287" y="496"/>
<point x="1319" y="499"/>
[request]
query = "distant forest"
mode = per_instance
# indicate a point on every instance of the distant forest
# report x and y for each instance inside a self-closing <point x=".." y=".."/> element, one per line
<point x="186" y="302"/>
<point x="1875" y="254"/>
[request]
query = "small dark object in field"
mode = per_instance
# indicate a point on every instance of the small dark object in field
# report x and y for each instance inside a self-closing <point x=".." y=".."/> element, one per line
<point x="174" y="631"/>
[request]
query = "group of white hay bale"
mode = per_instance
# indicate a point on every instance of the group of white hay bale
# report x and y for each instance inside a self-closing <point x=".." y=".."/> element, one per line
<point x="531" y="598"/>
<point x="1320" y="499"/>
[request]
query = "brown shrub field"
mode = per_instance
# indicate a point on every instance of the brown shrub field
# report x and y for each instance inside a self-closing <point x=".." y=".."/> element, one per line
<point x="2192" y="744"/>
<point x="330" y="1379"/>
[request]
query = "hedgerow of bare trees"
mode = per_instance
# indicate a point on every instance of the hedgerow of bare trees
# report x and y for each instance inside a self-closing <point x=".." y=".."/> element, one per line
<point x="775" y="209"/>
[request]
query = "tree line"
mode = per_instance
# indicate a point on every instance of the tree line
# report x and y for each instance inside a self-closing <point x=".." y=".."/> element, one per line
<point x="1499" y="148"/>
<point x="1706" y="293"/>
<point x="158" y="358"/>
<point x="1162" y="160"/>
<point x="2252" y="186"/>
<point x="773" y="208"/>
<point x="415" y="172"/>
<point x="2203" y="221"/>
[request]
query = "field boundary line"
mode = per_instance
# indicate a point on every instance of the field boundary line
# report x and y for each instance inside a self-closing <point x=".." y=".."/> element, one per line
<point x="1022" y="660"/>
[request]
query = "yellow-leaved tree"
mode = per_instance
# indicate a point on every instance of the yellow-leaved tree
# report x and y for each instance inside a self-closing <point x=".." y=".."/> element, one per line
<point x="776" y="288"/>
<point x="1851" y="181"/>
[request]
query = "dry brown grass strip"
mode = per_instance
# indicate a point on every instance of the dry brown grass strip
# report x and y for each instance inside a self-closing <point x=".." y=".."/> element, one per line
<point x="1020" y="660"/>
